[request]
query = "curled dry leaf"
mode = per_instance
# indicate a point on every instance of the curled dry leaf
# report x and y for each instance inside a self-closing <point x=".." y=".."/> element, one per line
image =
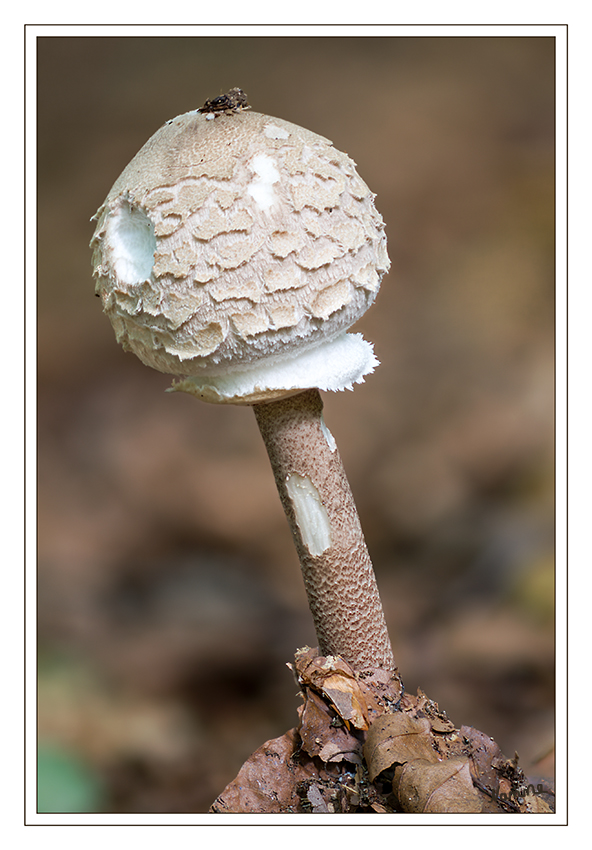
<point x="321" y="737"/>
<point x="345" y="695"/>
<point x="442" y="725"/>
<point x="422" y="786"/>
<point x="397" y="739"/>
<point x="268" y="781"/>
<point x="335" y="680"/>
<point x="503" y="784"/>
<point x="484" y="753"/>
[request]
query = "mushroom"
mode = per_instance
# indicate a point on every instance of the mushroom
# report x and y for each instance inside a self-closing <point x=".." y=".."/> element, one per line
<point x="234" y="252"/>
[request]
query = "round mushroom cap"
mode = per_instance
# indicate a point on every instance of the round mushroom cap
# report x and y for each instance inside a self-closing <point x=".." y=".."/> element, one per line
<point x="236" y="244"/>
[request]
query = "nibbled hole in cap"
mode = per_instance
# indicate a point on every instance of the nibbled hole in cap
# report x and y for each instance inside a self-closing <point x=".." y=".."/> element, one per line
<point x="130" y="234"/>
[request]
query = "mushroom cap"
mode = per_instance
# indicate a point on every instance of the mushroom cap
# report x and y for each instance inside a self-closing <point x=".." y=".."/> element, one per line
<point x="235" y="244"/>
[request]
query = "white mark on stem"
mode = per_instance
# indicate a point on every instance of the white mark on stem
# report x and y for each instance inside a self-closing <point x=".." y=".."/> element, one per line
<point x="311" y="517"/>
<point x="330" y="439"/>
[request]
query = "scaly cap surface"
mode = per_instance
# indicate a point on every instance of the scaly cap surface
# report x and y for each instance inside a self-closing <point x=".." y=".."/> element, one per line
<point x="236" y="245"/>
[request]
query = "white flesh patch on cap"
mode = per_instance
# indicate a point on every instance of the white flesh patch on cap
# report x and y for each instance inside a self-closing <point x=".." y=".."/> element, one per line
<point x="311" y="516"/>
<point x="274" y="131"/>
<point x="130" y="236"/>
<point x="261" y="187"/>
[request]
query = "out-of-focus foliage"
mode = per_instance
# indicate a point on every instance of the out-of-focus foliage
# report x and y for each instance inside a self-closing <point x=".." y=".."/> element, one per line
<point x="65" y="783"/>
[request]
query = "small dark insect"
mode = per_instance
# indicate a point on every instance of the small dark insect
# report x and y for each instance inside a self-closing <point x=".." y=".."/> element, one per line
<point x="233" y="101"/>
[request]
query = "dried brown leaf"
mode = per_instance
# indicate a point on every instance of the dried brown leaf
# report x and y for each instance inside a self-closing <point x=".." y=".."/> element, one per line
<point x="534" y="804"/>
<point x="422" y="786"/>
<point x="436" y="767"/>
<point x="335" y="679"/>
<point x="320" y="737"/>
<point x="315" y="720"/>
<point x="483" y="753"/>
<point x="441" y="725"/>
<point x="397" y="739"/>
<point x="267" y="782"/>
<point x="346" y="696"/>
<point x="381" y="690"/>
<point x="317" y="801"/>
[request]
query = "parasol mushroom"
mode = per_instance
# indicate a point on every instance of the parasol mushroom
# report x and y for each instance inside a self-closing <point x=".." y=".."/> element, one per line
<point x="235" y="251"/>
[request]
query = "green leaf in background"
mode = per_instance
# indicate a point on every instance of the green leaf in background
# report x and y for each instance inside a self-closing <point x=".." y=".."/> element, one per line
<point x="64" y="783"/>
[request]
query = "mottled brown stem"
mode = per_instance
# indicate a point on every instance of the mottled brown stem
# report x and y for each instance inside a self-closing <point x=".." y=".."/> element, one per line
<point x="319" y="505"/>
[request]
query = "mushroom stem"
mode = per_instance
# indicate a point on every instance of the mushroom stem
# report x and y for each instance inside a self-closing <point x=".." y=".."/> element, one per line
<point x="314" y="490"/>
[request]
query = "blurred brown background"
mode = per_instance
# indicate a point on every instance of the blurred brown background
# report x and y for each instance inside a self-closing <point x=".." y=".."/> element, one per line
<point x="170" y="597"/>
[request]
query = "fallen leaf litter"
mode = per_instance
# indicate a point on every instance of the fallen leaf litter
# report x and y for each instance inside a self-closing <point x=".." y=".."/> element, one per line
<point x="364" y="745"/>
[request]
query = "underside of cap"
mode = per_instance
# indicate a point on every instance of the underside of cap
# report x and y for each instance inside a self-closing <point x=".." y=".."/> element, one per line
<point x="335" y="365"/>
